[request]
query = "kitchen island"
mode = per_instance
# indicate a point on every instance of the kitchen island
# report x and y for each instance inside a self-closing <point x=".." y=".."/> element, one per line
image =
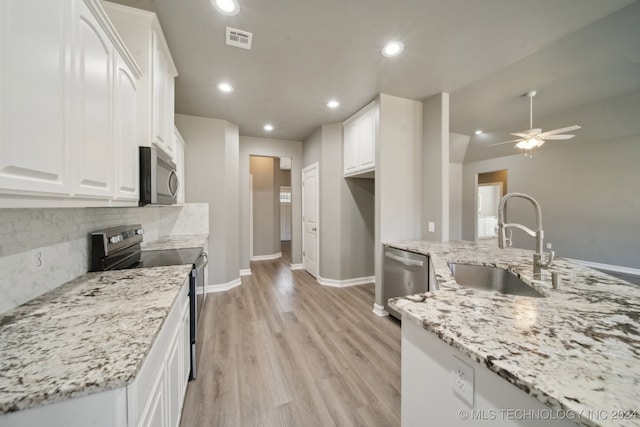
<point x="89" y="337"/>
<point x="576" y="351"/>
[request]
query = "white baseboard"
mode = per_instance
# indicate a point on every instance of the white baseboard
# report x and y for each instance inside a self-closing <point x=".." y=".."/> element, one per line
<point x="297" y="266"/>
<point x="344" y="283"/>
<point x="608" y="267"/>
<point x="245" y="272"/>
<point x="266" y="257"/>
<point x="379" y="310"/>
<point x="224" y="286"/>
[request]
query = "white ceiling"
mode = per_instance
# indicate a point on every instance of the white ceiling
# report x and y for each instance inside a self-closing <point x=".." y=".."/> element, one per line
<point x="484" y="53"/>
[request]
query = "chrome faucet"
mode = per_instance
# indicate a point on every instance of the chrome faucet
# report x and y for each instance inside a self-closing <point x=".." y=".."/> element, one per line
<point x="504" y="241"/>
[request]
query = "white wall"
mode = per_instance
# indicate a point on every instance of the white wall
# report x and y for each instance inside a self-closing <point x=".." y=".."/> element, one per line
<point x="271" y="148"/>
<point x="589" y="194"/>
<point x="62" y="235"/>
<point x="211" y="170"/>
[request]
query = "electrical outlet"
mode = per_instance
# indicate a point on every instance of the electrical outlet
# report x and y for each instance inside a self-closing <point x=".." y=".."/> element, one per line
<point x="37" y="260"/>
<point x="462" y="380"/>
<point x="549" y="246"/>
<point x="432" y="227"/>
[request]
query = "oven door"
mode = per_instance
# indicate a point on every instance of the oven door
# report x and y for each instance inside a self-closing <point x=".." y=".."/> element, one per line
<point x="197" y="294"/>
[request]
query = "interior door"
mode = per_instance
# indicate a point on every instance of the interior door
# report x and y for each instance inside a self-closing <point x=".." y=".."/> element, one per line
<point x="310" y="219"/>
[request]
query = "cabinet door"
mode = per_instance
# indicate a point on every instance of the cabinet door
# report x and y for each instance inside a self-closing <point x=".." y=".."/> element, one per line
<point x="159" y="77"/>
<point x="155" y="414"/>
<point x="174" y="380"/>
<point x="93" y="142"/>
<point x="179" y="159"/>
<point x="367" y="140"/>
<point x="186" y="352"/>
<point x="34" y="81"/>
<point x="350" y="147"/>
<point x="126" y="133"/>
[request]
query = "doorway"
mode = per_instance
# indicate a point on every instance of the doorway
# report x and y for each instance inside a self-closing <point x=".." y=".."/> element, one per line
<point x="267" y="178"/>
<point x="310" y="219"/>
<point x="490" y="188"/>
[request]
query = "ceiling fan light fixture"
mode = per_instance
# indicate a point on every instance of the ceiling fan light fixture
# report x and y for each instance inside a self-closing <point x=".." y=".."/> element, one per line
<point x="529" y="144"/>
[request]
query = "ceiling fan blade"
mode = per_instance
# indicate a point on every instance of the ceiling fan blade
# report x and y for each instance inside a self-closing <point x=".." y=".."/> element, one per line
<point x="528" y="132"/>
<point x="551" y="137"/>
<point x="557" y="131"/>
<point x="505" y="142"/>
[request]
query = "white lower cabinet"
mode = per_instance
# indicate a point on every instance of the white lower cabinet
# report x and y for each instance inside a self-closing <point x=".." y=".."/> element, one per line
<point x="153" y="399"/>
<point x="156" y="395"/>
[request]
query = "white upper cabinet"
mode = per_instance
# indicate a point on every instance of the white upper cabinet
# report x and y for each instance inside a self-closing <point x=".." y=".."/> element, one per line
<point x="142" y="33"/>
<point x="93" y="158"/>
<point x="180" y="148"/>
<point x="34" y="85"/>
<point x="360" y="135"/>
<point x="68" y="104"/>
<point x="126" y="132"/>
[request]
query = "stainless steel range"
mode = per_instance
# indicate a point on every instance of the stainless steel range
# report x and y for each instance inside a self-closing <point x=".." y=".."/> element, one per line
<point x="118" y="248"/>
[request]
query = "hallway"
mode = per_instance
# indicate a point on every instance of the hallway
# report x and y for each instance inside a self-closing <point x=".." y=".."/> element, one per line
<point x="282" y="350"/>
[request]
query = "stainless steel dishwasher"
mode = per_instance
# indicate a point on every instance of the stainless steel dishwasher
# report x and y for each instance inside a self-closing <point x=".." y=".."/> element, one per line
<point x="405" y="273"/>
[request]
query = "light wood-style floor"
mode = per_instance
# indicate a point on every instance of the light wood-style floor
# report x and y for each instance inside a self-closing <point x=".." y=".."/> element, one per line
<point x="283" y="350"/>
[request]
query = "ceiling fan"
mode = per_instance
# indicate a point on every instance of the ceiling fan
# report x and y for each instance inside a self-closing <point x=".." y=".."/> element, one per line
<point x="534" y="138"/>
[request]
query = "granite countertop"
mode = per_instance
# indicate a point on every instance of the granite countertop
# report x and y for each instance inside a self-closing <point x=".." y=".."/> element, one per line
<point x="577" y="349"/>
<point x="176" y="242"/>
<point x="86" y="336"/>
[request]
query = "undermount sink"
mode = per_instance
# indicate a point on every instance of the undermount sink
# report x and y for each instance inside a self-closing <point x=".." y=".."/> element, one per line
<point x="491" y="279"/>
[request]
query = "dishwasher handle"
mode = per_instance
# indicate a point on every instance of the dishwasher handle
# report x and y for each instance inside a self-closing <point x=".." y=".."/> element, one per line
<point x="405" y="261"/>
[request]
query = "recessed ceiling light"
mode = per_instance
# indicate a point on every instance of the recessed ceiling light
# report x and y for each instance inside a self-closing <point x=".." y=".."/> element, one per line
<point x="268" y="127"/>
<point x="333" y="104"/>
<point x="226" y="7"/>
<point x="478" y="132"/>
<point x="225" y="87"/>
<point x="392" y="49"/>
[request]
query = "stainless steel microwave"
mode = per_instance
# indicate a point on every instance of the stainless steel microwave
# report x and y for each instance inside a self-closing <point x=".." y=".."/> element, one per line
<point x="158" y="178"/>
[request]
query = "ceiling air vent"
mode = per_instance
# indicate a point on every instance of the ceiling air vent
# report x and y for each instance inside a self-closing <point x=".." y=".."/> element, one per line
<point x="239" y="38"/>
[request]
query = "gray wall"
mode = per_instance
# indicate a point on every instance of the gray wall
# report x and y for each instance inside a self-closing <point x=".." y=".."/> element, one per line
<point x="589" y="194"/>
<point x="455" y="201"/>
<point x="266" y="205"/>
<point x="271" y="148"/>
<point x="285" y="178"/>
<point x="399" y="180"/>
<point x="435" y="167"/>
<point x="211" y="171"/>
<point x="347" y="209"/>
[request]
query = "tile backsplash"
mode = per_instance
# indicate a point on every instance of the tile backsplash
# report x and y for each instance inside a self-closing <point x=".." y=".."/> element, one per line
<point x="62" y="237"/>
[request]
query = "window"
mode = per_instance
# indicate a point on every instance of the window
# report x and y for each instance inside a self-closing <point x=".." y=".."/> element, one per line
<point x="285" y="196"/>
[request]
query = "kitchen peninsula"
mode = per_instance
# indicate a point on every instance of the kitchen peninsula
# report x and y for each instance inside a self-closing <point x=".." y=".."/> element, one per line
<point x="575" y="351"/>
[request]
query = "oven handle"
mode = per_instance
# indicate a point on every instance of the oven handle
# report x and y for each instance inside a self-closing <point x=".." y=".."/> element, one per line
<point x="202" y="264"/>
